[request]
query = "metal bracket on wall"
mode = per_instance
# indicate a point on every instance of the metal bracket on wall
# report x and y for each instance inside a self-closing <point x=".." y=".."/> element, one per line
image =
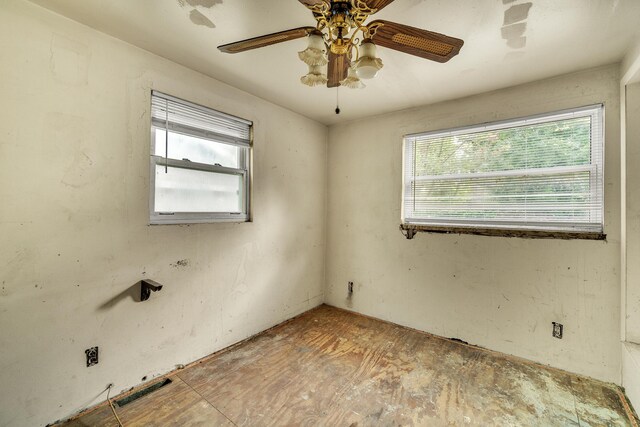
<point x="146" y="286"/>
<point x="409" y="233"/>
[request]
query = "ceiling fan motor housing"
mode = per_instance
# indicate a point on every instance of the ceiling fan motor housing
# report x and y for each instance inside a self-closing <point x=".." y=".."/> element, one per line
<point x="341" y="9"/>
<point x="340" y="23"/>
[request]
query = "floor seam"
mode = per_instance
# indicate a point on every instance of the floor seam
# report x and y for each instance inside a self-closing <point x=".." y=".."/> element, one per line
<point x="575" y="404"/>
<point x="207" y="400"/>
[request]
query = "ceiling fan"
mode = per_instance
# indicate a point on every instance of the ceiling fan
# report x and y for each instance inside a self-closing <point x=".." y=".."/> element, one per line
<point x="333" y="42"/>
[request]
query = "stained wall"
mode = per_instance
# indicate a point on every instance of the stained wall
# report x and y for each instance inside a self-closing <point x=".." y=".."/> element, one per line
<point x="497" y="292"/>
<point x="74" y="191"/>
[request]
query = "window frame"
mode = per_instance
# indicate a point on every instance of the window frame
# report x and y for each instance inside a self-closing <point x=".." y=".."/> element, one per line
<point x="410" y="226"/>
<point x="244" y="169"/>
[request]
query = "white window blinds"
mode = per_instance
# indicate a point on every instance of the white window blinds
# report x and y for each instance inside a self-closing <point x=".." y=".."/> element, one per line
<point x="537" y="173"/>
<point x="200" y="169"/>
<point x="191" y="119"/>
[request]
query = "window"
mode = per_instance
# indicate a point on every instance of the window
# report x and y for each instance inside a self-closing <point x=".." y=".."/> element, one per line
<point x="542" y="173"/>
<point x="199" y="163"/>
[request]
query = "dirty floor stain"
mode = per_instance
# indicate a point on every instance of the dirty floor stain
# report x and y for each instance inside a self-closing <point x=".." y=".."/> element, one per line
<point x="330" y="367"/>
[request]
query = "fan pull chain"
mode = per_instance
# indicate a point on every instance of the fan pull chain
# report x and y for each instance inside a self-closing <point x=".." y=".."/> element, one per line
<point x="337" y="99"/>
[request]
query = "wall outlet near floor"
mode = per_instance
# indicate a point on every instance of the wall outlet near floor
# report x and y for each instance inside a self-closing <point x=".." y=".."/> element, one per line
<point x="92" y="356"/>
<point x="557" y="330"/>
<point x="350" y="288"/>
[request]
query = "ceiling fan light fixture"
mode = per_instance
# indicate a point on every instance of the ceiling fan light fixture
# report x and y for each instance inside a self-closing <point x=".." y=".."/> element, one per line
<point x="334" y="42"/>
<point x="352" y="81"/>
<point x="315" y="76"/>
<point x="315" y="53"/>
<point x="368" y="65"/>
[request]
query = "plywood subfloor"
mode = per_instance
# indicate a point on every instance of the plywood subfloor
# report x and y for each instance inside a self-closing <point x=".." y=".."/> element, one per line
<point x="329" y="367"/>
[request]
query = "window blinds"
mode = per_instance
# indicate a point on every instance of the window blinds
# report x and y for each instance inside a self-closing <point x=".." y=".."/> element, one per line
<point x="184" y="117"/>
<point x="200" y="163"/>
<point x="539" y="173"/>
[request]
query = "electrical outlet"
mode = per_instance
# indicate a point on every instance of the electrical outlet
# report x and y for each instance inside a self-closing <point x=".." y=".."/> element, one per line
<point x="350" y="287"/>
<point x="92" y="356"/>
<point x="557" y="330"/>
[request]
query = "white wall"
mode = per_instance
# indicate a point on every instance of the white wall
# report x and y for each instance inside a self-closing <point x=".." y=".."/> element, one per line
<point x="74" y="174"/>
<point x="630" y="370"/>
<point x="629" y="136"/>
<point x="630" y="241"/>
<point x="74" y="170"/>
<point x="501" y="293"/>
<point x="632" y="296"/>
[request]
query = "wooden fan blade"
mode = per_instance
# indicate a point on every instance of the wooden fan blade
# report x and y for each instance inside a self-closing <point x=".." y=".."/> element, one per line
<point x="414" y="41"/>
<point x="266" y="40"/>
<point x="374" y="4"/>
<point x="337" y="69"/>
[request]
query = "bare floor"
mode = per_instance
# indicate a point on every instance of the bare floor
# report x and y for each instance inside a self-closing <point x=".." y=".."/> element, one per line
<point x="329" y="367"/>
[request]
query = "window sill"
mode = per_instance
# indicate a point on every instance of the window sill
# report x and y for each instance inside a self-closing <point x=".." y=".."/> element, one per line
<point x="179" y="221"/>
<point x="410" y="230"/>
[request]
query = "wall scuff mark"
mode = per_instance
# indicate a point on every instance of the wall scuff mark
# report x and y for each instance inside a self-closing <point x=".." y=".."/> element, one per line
<point x="203" y="3"/>
<point x="517" y="13"/>
<point x="514" y="24"/>
<point x="199" y="19"/>
<point x="180" y="264"/>
<point x="195" y="15"/>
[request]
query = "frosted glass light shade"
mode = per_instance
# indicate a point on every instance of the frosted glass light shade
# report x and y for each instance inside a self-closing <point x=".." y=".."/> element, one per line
<point x="352" y="81"/>
<point x="368" y="65"/>
<point x="315" y="76"/>
<point x="368" y="68"/>
<point x="316" y="41"/>
<point x="315" y="53"/>
<point x="368" y="48"/>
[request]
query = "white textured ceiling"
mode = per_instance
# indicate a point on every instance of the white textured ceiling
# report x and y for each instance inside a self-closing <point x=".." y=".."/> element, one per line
<point x="559" y="36"/>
